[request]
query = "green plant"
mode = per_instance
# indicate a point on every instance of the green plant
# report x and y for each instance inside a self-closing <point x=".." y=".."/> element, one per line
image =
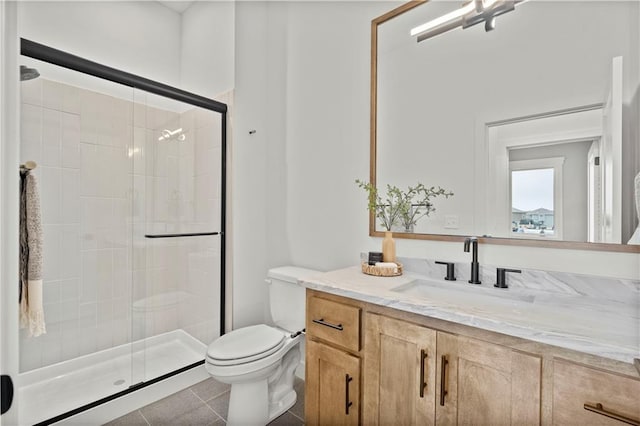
<point x="399" y="206"/>
<point x="411" y="211"/>
<point x="387" y="211"/>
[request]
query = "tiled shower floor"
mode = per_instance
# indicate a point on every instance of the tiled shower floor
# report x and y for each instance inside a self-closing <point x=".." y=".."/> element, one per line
<point x="205" y="403"/>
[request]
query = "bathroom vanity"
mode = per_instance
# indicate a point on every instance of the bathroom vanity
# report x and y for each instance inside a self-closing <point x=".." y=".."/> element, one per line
<point x="410" y="350"/>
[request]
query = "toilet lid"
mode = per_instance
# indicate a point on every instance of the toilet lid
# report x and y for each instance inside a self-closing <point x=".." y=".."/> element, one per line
<point x="254" y="342"/>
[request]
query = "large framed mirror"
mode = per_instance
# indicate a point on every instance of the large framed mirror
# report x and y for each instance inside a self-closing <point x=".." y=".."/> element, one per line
<point x="534" y="126"/>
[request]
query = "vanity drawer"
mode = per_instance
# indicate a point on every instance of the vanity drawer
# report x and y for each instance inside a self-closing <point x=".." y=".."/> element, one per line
<point x="334" y="322"/>
<point x="576" y="387"/>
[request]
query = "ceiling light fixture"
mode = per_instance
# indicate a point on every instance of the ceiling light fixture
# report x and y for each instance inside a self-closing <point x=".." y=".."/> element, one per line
<point x="471" y="13"/>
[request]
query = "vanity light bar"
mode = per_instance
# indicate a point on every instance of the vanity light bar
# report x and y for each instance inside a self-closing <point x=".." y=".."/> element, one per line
<point x="444" y="20"/>
<point x="469" y="14"/>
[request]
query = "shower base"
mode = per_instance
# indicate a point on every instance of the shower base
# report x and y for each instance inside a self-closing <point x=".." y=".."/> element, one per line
<point x="50" y="391"/>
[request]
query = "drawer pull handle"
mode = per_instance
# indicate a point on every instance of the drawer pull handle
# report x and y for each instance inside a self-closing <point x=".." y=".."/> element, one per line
<point x="321" y="321"/>
<point x="599" y="409"/>
<point x="347" y="403"/>
<point x="423" y="382"/>
<point x="443" y="375"/>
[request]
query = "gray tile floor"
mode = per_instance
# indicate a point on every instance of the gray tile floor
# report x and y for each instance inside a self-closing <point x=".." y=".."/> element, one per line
<point x="205" y="403"/>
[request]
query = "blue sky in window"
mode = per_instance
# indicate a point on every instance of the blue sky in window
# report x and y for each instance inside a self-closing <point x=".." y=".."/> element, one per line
<point x="532" y="189"/>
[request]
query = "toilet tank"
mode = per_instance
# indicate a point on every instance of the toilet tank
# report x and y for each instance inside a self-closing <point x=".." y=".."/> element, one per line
<point x="287" y="297"/>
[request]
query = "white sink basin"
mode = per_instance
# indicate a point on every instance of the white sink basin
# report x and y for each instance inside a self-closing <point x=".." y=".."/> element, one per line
<point x="463" y="294"/>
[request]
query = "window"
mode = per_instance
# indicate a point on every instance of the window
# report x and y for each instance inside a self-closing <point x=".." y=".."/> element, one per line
<point x="536" y="199"/>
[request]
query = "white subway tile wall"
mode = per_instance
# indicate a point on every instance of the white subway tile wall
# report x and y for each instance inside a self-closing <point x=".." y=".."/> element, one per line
<point x="106" y="180"/>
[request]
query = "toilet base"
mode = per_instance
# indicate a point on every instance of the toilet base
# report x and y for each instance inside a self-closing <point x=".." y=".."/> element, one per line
<point x="277" y="409"/>
<point x="248" y="404"/>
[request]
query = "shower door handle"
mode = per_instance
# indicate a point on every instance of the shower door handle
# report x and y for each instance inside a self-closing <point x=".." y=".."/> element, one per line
<point x="191" y="234"/>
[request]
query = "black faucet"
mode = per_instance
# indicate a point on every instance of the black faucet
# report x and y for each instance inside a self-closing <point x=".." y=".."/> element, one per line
<point x="501" y="277"/>
<point x="451" y="271"/>
<point x="475" y="266"/>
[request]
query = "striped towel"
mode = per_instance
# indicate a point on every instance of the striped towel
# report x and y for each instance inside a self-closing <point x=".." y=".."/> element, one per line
<point x="31" y="311"/>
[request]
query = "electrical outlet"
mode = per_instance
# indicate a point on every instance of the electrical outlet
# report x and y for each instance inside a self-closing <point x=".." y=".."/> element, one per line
<point x="451" y="221"/>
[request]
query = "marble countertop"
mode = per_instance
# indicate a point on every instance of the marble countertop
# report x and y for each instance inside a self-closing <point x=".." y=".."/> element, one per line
<point x="597" y="326"/>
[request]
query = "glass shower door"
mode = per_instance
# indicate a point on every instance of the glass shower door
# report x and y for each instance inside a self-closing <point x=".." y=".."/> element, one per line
<point x="176" y="237"/>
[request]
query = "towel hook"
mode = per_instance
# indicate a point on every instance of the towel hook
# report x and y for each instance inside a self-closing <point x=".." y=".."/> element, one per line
<point x="28" y="165"/>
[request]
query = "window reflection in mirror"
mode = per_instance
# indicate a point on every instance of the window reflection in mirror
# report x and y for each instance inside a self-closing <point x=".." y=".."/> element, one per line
<point x="532" y="202"/>
<point x="573" y="144"/>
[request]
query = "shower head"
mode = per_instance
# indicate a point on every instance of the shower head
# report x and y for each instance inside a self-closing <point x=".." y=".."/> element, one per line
<point x="27" y="73"/>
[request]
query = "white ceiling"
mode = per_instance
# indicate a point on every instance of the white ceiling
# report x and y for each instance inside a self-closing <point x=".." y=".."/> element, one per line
<point x="177" y="5"/>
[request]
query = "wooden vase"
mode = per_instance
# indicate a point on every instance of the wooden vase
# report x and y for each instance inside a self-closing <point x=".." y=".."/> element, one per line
<point x="388" y="247"/>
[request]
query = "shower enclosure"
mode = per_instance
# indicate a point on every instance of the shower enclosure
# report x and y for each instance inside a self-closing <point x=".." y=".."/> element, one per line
<point x="132" y="186"/>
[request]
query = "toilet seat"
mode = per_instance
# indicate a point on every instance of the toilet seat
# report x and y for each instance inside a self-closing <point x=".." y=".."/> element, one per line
<point x="245" y="345"/>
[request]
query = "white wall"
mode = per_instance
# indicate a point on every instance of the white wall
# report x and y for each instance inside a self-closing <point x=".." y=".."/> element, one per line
<point x="193" y="50"/>
<point x="139" y="37"/>
<point x="328" y="130"/>
<point x="248" y="171"/>
<point x="207" y="48"/>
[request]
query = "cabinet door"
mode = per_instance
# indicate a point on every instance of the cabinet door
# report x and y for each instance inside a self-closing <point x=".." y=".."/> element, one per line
<point x="482" y="383"/>
<point x="332" y="389"/>
<point x="399" y="373"/>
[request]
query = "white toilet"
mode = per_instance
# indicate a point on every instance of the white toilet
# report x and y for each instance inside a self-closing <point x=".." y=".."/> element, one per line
<point x="259" y="361"/>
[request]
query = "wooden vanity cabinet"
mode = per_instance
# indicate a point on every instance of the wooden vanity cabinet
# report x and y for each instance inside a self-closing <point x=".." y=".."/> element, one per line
<point x="372" y="365"/>
<point x="414" y="375"/>
<point x="333" y="361"/>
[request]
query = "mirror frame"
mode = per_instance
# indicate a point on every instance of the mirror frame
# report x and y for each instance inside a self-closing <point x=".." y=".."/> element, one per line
<point x="573" y="245"/>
